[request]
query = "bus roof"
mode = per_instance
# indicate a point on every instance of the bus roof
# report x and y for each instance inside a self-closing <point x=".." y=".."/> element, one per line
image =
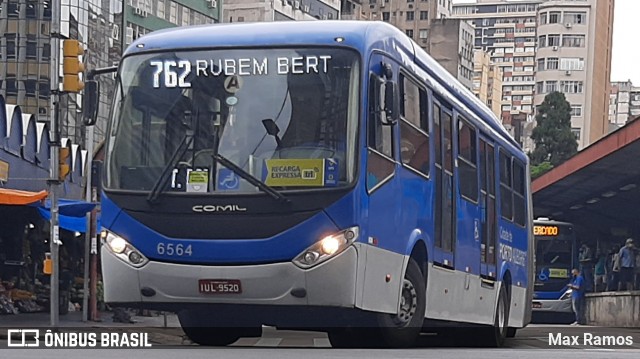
<point x="361" y="35"/>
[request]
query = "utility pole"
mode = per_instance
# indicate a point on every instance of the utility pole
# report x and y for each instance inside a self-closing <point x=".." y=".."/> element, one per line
<point x="54" y="128"/>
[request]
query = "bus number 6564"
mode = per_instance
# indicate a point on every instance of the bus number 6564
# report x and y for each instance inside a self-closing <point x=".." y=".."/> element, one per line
<point x="171" y="249"/>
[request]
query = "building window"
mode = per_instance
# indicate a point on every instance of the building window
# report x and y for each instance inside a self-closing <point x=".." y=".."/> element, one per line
<point x="551" y="86"/>
<point x="11" y="46"/>
<point x="573" y="40"/>
<point x="540" y="87"/>
<point x="160" y="9"/>
<point x="571" y="86"/>
<point x="385" y="16"/>
<point x="552" y="63"/>
<point x="542" y="41"/>
<point x="424" y="33"/>
<point x="576" y="110"/>
<point x="410" y="15"/>
<point x="541" y="65"/>
<point x="554" y="17"/>
<point x="575" y="17"/>
<point x="185" y="16"/>
<point x="424" y="15"/>
<point x="173" y="14"/>
<point x="576" y="133"/>
<point x="32" y="49"/>
<point x="576" y="64"/>
<point x="543" y="18"/>
<point x="553" y="40"/>
<point x="409" y="33"/>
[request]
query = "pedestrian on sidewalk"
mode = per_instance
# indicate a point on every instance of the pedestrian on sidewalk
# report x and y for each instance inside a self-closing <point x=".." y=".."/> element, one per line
<point x="577" y="296"/>
<point x="627" y="264"/>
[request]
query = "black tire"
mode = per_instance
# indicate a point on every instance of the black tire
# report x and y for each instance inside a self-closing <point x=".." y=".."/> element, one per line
<point x="496" y="334"/>
<point x="63" y="303"/>
<point x="354" y="337"/>
<point x="202" y="332"/>
<point x="402" y="330"/>
<point x="511" y="332"/>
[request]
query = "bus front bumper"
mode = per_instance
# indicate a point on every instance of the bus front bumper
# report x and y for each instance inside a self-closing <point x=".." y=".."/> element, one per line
<point x="160" y="284"/>
<point x="552" y="306"/>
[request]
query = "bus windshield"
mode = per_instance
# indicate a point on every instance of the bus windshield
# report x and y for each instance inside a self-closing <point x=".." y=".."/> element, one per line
<point x="554" y="254"/>
<point x="285" y="117"/>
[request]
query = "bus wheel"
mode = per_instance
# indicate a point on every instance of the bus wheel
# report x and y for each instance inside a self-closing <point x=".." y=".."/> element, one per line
<point x="496" y="335"/>
<point x="402" y="329"/>
<point x="511" y="332"/>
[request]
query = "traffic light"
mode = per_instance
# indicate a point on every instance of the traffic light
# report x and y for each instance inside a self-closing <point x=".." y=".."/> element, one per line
<point x="73" y="66"/>
<point x="63" y="163"/>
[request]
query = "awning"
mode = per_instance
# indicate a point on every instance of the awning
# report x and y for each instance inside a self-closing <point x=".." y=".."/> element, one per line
<point x="71" y="214"/>
<point x="20" y="198"/>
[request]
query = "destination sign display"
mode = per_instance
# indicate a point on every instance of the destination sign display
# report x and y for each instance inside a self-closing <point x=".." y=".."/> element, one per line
<point x="546" y="230"/>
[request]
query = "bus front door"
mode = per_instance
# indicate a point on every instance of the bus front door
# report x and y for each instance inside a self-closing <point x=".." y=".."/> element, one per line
<point x="489" y="210"/>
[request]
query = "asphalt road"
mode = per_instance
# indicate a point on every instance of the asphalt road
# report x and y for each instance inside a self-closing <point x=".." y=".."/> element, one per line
<point x="532" y="342"/>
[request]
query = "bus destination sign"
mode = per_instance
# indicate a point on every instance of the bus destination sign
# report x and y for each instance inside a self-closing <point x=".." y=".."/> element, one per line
<point x="545" y="230"/>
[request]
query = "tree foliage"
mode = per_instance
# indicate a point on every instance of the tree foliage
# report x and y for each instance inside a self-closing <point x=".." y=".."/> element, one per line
<point x="539" y="170"/>
<point x="554" y="142"/>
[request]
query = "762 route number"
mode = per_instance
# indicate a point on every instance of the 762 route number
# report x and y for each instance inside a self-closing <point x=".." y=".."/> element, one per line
<point x="170" y="249"/>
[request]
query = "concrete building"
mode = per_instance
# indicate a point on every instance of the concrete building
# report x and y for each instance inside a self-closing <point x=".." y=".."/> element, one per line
<point x="143" y="16"/>
<point x="454" y="53"/>
<point x="280" y="10"/>
<point x="574" y="57"/>
<point x="352" y="10"/>
<point x="624" y="104"/>
<point x="427" y="23"/>
<point x="414" y="17"/>
<point x="507" y="31"/>
<point x="487" y="81"/>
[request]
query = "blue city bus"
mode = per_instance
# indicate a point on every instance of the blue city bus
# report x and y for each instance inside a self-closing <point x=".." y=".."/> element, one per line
<point x="312" y="175"/>
<point x="556" y="255"/>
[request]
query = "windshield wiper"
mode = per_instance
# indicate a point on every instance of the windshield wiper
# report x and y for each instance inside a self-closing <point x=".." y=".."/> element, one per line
<point x="158" y="186"/>
<point x="251" y="179"/>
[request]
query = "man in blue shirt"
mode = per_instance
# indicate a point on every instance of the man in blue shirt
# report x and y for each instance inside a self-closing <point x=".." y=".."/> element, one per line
<point x="627" y="264"/>
<point x="577" y="296"/>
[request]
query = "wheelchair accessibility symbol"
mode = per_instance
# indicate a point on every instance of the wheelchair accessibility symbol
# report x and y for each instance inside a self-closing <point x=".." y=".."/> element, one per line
<point x="544" y="275"/>
<point x="228" y="180"/>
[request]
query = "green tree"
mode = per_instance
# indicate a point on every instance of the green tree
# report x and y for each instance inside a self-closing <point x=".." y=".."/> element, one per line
<point x="539" y="170"/>
<point x="554" y="142"/>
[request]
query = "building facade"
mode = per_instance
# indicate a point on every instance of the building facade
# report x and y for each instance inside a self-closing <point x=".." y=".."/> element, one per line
<point x="624" y="104"/>
<point x="506" y="30"/>
<point x="352" y="10"/>
<point x="574" y="57"/>
<point x="143" y="16"/>
<point x="487" y="81"/>
<point x="280" y="10"/>
<point x="451" y="44"/>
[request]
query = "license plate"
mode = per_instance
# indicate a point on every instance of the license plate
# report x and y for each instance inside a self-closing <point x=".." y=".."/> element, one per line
<point x="537" y="305"/>
<point x="219" y="286"/>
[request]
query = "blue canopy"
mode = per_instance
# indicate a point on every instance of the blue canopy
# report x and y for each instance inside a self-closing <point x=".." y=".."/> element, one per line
<point x="71" y="214"/>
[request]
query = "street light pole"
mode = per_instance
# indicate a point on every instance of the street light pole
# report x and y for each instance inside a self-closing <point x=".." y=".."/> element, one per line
<point x="54" y="233"/>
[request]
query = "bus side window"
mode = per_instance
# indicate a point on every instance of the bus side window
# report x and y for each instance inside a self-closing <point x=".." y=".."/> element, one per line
<point x="506" y="194"/>
<point x="414" y="130"/>
<point x="380" y="164"/>
<point x="519" y="204"/>
<point x="467" y="165"/>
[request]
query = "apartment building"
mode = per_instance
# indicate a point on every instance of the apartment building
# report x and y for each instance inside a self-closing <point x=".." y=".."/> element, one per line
<point x="450" y="43"/>
<point x="574" y="57"/>
<point x="487" y="81"/>
<point x="352" y="10"/>
<point x="280" y="10"/>
<point x="143" y="16"/>
<point x="624" y="104"/>
<point x="506" y="30"/>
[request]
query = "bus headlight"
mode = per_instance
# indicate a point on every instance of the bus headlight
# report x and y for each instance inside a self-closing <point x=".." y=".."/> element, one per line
<point x="326" y="248"/>
<point x="567" y="294"/>
<point x="123" y="249"/>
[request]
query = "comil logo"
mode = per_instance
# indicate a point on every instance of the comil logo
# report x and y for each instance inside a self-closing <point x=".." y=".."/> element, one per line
<point x="23" y="338"/>
<point x="223" y="208"/>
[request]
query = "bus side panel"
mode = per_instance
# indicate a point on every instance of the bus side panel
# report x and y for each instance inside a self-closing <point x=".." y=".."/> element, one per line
<point x="457" y="296"/>
<point x="513" y="258"/>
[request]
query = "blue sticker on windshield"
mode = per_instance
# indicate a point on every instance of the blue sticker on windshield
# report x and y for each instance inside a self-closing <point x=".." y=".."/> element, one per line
<point x="330" y="172"/>
<point x="228" y="180"/>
